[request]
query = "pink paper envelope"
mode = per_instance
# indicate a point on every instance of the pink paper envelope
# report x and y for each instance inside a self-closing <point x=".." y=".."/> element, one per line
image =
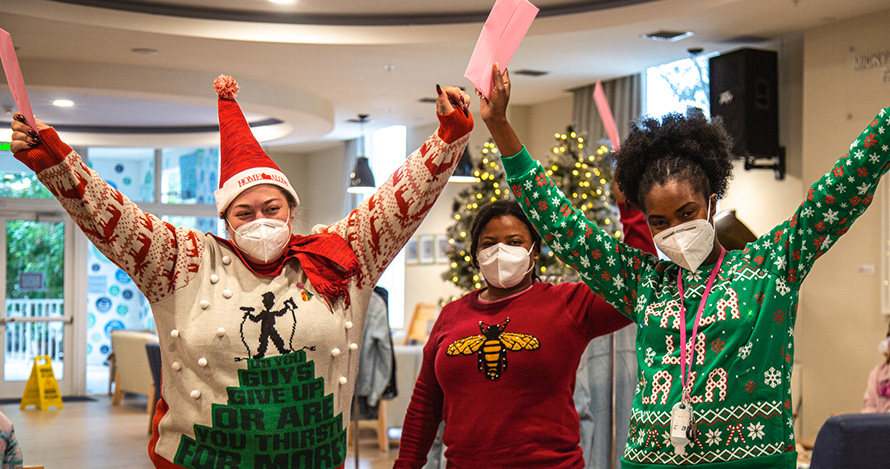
<point x="14" y="78"/>
<point x="602" y="105"/>
<point x="502" y="32"/>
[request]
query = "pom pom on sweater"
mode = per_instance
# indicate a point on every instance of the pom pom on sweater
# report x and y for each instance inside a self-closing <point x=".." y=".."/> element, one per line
<point x="226" y="87"/>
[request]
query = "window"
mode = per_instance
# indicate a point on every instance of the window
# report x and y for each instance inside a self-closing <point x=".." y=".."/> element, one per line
<point x="189" y="175"/>
<point x="16" y="180"/>
<point x="129" y="170"/>
<point x="675" y="86"/>
<point x="388" y="150"/>
<point x="175" y="184"/>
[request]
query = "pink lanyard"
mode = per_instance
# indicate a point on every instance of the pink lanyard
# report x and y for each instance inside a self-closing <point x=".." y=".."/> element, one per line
<point x="701" y="307"/>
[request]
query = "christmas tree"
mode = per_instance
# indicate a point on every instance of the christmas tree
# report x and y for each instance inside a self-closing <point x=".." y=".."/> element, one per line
<point x="585" y="178"/>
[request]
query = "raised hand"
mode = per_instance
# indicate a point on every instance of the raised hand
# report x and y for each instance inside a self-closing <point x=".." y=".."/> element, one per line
<point x="494" y="113"/>
<point x="24" y="137"/>
<point x="495" y="106"/>
<point x="451" y="98"/>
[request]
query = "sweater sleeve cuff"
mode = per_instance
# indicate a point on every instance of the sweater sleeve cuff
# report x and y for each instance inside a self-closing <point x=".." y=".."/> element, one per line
<point x="454" y="125"/>
<point x="50" y="152"/>
<point x="518" y="164"/>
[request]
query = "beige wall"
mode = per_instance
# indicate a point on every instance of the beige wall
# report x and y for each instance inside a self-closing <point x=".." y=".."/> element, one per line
<point x="318" y="177"/>
<point x="840" y="320"/>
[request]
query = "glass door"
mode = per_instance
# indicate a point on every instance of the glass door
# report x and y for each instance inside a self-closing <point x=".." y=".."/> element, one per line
<point x="34" y="317"/>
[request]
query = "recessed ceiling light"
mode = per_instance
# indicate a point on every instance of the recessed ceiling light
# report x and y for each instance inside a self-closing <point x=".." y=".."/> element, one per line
<point x="669" y="36"/>
<point x="389" y="67"/>
<point x="282" y="1"/>
<point x="63" y="103"/>
<point x="144" y="51"/>
<point x="530" y="73"/>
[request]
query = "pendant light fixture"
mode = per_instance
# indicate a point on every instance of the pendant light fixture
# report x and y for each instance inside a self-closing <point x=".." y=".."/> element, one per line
<point x="361" y="181"/>
<point x="464" y="170"/>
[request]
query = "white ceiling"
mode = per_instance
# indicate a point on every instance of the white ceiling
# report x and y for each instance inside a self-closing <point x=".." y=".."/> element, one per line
<point x="316" y="63"/>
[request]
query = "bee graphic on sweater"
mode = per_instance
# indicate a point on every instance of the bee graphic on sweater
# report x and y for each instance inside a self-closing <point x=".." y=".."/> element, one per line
<point x="491" y="347"/>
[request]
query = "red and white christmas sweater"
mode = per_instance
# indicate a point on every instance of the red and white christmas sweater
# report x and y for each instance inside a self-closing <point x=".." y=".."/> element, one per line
<point x="258" y="370"/>
<point x="744" y="350"/>
<point x="501" y="374"/>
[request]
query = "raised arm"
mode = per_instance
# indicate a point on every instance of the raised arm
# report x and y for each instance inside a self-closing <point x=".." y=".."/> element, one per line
<point x="158" y="256"/>
<point x="831" y="206"/>
<point x="383" y="223"/>
<point x="610" y="268"/>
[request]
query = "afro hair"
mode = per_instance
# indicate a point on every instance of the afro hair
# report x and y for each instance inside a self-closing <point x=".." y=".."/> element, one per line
<point x="676" y="148"/>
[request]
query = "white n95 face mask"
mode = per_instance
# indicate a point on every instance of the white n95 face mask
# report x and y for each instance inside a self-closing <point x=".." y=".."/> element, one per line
<point x="263" y="239"/>
<point x="688" y="244"/>
<point x="505" y="266"/>
<point x="883" y="346"/>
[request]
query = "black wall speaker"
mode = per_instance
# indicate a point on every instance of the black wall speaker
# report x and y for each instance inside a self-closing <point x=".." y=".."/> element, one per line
<point x="744" y="93"/>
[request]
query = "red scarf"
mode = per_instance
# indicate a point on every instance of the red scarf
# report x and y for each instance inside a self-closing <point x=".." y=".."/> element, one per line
<point x="328" y="261"/>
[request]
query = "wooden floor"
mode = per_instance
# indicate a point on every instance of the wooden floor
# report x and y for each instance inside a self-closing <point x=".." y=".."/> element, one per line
<point x="97" y="435"/>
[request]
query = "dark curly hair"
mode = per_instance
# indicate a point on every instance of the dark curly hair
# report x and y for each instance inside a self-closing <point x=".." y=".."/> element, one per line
<point x="676" y="148"/>
<point x="500" y="208"/>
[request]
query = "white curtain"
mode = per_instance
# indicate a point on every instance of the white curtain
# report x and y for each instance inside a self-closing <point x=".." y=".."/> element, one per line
<point x="625" y="99"/>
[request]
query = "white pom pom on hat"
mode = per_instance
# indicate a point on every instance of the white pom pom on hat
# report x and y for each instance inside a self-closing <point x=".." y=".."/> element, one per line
<point x="243" y="163"/>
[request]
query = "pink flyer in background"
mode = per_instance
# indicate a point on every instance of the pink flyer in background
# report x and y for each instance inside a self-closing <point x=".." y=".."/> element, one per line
<point x="14" y="78"/>
<point x="502" y="32"/>
<point x="602" y="105"/>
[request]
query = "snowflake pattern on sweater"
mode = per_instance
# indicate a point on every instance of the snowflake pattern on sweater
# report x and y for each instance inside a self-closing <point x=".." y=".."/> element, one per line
<point x="744" y="350"/>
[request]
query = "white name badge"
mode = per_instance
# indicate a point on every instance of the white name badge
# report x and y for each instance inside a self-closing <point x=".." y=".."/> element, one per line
<point x="681" y="419"/>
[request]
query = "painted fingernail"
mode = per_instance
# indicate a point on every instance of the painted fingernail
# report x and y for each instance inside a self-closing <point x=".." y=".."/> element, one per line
<point x="19" y="117"/>
<point x="438" y="89"/>
<point x="33" y="133"/>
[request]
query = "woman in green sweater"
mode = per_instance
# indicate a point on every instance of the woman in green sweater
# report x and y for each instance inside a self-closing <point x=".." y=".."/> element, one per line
<point x="730" y="405"/>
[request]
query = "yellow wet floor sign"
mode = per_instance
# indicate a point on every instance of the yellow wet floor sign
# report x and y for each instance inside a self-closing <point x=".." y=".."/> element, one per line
<point x="42" y="390"/>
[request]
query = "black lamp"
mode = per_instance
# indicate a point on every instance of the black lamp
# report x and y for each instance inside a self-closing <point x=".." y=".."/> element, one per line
<point x="464" y="170"/>
<point x="361" y="181"/>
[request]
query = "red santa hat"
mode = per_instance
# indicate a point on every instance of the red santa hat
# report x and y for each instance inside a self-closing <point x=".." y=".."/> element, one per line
<point x="243" y="163"/>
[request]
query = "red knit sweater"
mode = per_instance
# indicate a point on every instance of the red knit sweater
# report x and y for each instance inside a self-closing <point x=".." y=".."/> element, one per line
<point x="511" y="406"/>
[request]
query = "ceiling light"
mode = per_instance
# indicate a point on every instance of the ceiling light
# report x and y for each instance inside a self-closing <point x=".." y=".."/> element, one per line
<point x="63" y="103"/>
<point x="144" y="51"/>
<point x="529" y="72"/>
<point x="668" y="36"/>
<point x="282" y="1"/>
<point x="389" y="67"/>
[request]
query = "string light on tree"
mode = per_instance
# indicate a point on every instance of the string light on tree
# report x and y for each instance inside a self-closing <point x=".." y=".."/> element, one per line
<point x="490" y="186"/>
<point x="585" y="177"/>
<point x="584" y="172"/>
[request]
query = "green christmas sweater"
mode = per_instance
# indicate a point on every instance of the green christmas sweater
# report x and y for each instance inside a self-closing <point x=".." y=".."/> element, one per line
<point x="744" y="350"/>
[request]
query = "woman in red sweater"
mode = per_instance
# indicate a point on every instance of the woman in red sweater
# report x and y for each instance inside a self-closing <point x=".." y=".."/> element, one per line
<point x="499" y="365"/>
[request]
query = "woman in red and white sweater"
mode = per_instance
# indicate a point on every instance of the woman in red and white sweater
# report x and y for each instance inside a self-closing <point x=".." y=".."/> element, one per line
<point x="260" y="335"/>
<point x="499" y="365"/>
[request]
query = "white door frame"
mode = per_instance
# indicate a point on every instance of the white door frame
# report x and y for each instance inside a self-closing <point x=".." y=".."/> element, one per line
<point x="74" y="304"/>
